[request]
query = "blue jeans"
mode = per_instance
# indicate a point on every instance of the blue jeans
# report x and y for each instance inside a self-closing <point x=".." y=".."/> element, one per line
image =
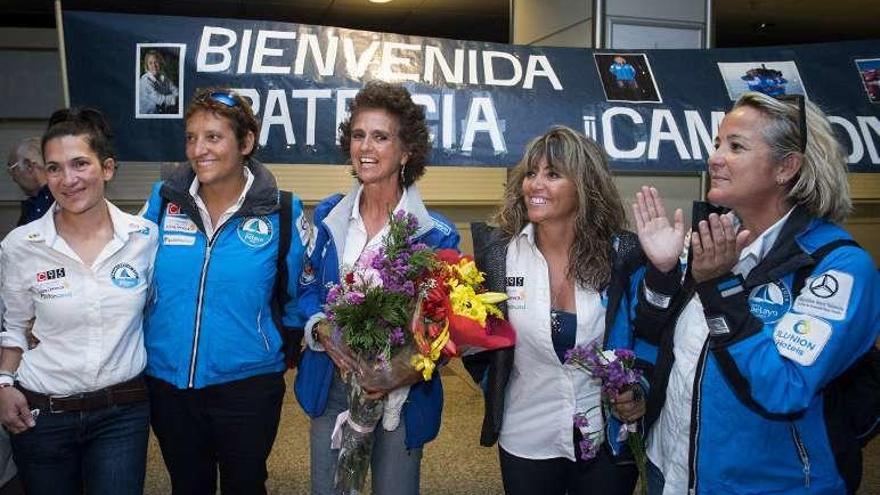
<point x="656" y="482"/>
<point x="104" y="450"/>
<point x="395" y="470"/>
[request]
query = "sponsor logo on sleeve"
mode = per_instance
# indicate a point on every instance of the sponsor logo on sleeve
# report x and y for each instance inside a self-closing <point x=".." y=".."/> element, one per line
<point x="826" y="295"/>
<point x="124" y="276"/>
<point x="770" y="301"/>
<point x="801" y="338"/>
<point x="255" y="231"/>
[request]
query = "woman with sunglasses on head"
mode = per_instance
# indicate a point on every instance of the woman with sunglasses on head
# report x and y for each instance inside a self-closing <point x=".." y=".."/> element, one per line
<point x="74" y="283"/>
<point x="778" y="302"/>
<point x="224" y="292"/>
<point x="386" y="140"/>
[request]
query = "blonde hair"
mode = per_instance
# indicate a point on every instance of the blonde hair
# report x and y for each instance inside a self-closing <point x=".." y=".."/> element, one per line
<point x="600" y="213"/>
<point x="821" y="185"/>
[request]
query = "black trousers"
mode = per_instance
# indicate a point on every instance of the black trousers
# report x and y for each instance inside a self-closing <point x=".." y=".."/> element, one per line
<point x="230" y="426"/>
<point x="560" y="476"/>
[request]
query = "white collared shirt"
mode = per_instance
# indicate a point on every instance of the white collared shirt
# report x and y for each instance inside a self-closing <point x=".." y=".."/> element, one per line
<point x="668" y="442"/>
<point x="210" y="228"/>
<point x="356" y="241"/>
<point x="88" y="319"/>
<point x="543" y="394"/>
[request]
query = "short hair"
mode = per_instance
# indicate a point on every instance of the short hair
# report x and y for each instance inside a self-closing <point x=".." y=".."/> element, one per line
<point x="241" y="117"/>
<point x="821" y="185"/>
<point x="154" y="53"/>
<point x="82" y="121"/>
<point x="412" y="129"/>
<point x="600" y="213"/>
<point x="28" y="145"/>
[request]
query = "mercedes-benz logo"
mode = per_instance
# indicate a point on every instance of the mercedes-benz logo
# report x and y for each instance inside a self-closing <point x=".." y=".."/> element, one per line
<point x="824" y="286"/>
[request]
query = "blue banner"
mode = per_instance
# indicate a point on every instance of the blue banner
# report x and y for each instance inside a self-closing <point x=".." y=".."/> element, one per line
<point x="652" y="110"/>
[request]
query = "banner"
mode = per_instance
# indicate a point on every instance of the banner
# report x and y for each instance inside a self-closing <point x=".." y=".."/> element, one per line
<point x="651" y="110"/>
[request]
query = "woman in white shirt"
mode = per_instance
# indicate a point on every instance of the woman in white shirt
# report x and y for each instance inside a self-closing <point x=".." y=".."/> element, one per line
<point x="71" y="390"/>
<point x="572" y="275"/>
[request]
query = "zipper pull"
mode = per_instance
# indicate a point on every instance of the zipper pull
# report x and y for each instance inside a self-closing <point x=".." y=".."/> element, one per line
<point x="807" y="475"/>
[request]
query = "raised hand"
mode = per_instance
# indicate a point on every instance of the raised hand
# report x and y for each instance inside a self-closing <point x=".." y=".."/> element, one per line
<point x="661" y="241"/>
<point x="716" y="247"/>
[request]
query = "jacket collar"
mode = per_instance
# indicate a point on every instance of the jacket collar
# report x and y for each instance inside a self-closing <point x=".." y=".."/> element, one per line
<point x="337" y="220"/>
<point x="261" y="199"/>
<point x="786" y="255"/>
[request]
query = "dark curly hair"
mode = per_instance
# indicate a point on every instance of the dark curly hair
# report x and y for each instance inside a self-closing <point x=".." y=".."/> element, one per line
<point x="412" y="129"/>
<point x="240" y="116"/>
<point x="82" y="121"/>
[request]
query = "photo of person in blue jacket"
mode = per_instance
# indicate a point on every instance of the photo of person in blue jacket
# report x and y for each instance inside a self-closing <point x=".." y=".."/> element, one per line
<point x="224" y="294"/>
<point x="777" y="303"/>
<point x="386" y="141"/>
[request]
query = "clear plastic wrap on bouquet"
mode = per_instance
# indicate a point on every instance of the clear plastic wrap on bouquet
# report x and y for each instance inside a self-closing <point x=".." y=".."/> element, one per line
<point x="356" y="447"/>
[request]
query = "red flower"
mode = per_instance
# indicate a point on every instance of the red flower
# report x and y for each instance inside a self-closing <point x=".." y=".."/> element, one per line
<point x="349" y="278"/>
<point x="436" y="305"/>
<point x="450" y="256"/>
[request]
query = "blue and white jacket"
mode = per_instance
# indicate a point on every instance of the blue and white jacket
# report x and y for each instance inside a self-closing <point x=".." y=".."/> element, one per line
<point x="759" y="422"/>
<point x="210" y="320"/>
<point x="424" y="404"/>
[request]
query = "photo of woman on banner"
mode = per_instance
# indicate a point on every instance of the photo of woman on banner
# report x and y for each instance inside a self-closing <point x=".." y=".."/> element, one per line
<point x="778" y="304"/>
<point x="386" y="141"/>
<point x="157" y="92"/>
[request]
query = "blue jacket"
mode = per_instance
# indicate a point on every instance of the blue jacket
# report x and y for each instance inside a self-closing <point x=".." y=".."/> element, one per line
<point x="759" y="424"/>
<point x="209" y="319"/>
<point x="424" y="404"/>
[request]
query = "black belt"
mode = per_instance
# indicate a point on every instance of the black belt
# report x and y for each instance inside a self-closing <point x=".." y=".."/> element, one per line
<point x="134" y="390"/>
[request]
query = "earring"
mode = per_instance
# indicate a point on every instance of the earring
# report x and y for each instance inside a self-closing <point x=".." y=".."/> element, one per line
<point x="402" y="172"/>
<point x="780" y="181"/>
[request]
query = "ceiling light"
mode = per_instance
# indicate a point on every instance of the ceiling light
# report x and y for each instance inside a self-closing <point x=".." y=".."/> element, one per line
<point x="379" y="1"/>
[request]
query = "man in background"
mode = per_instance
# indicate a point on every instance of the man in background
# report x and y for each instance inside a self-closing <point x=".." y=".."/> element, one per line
<point x="25" y="166"/>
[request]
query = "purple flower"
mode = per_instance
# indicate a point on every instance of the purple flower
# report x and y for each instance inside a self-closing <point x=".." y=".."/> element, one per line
<point x="589" y="449"/>
<point x="333" y="294"/>
<point x="580" y="420"/>
<point x="355" y="297"/>
<point x="396" y="336"/>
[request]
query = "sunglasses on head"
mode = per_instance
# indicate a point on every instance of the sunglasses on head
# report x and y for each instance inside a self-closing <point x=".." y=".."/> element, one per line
<point x="11" y="167"/>
<point x="799" y="100"/>
<point x="221" y="97"/>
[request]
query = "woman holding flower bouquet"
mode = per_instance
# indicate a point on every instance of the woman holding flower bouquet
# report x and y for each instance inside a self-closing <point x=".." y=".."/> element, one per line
<point x="386" y="139"/>
<point x="572" y="276"/>
<point x="778" y="303"/>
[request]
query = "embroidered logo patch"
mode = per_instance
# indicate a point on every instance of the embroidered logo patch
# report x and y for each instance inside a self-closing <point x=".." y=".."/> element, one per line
<point x="255" y="231"/>
<point x="308" y="272"/>
<point x="124" y="276"/>
<point x="178" y="240"/>
<point x="826" y="295"/>
<point x="173" y="209"/>
<point x="50" y="274"/>
<point x="801" y="338"/>
<point x="770" y="301"/>
<point x="52" y="284"/>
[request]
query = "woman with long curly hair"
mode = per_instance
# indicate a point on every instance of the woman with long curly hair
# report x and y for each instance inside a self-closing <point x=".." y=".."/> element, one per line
<point x="572" y="274"/>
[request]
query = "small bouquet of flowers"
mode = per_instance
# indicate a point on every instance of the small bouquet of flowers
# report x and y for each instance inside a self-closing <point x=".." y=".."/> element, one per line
<point x="397" y="312"/>
<point x="617" y="373"/>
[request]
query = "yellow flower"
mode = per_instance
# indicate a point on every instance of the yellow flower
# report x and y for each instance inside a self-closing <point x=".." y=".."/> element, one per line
<point x="466" y="303"/>
<point x="468" y="273"/>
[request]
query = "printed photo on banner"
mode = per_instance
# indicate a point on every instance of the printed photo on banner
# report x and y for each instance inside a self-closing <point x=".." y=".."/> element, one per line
<point x="770" y="78"/>
<point x="627" y="77"/>
<point x="869" y="71"/>
<point x="159" y="80"/>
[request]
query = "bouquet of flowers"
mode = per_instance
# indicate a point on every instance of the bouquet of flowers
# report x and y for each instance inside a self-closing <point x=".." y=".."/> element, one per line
<point x="397" y="312"/>
<point x="617" y="373"/>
